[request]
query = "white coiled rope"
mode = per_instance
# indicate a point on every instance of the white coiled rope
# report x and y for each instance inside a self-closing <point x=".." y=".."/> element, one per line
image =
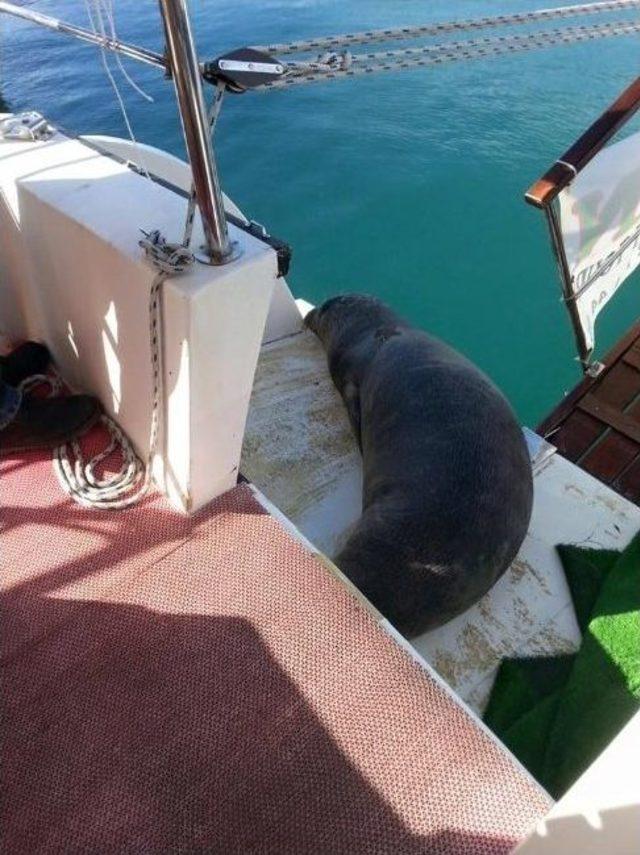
<point x="79" y="479"/>
<point x="131" y="482"/>
<point x="52" y="380"/>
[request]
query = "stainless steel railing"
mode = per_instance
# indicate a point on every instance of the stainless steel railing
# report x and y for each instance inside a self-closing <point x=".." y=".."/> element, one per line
<point x="182" y="63"/>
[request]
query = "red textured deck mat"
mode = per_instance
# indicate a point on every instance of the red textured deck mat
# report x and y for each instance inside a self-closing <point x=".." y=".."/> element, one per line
<point x="176" y="685"/>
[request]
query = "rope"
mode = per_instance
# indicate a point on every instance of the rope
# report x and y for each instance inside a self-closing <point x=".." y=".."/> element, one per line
<point x="80" y="481"/>
<point x="214" y="112"/>
<point x="51" y="380"/>
<point x="131" y="482"/>
<point x="98" y="27"/>
<point x="351" y="65"/>
<point x="109" y="14"/>
<point x="344" y="61"/>
<point x="167" y="258"/>
<point x="404" y="33"/>
<point x="334" y="62"/>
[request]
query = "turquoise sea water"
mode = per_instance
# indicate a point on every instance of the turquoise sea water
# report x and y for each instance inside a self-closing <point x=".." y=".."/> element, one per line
<point x="405" y="185"/>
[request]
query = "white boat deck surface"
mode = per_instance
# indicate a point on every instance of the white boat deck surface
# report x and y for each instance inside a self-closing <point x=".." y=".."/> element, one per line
<point x="298" y="444"/>
<point x="299" y="450"/>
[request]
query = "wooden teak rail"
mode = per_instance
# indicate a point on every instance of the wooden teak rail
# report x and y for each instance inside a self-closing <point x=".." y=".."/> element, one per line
<point x="564" y="170"/>
<point x="597" y="426"/>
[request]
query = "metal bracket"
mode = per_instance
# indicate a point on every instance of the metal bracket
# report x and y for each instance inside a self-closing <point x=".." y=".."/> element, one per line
<point x="594" y="369"/>
<point x="28" y="127"/>
<point x="243" y="69"/>
<point x="281" y="248"/>
<point x="204" y="256"/>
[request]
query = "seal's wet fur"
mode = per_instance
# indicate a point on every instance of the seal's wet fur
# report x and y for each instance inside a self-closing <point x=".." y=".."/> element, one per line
<point x="447" y="488"/>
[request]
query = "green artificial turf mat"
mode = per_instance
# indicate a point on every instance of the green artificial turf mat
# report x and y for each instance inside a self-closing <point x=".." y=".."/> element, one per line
<point x="603" y="690"/>
<point x="556" y="714"/>
<point x="585" y="570"/>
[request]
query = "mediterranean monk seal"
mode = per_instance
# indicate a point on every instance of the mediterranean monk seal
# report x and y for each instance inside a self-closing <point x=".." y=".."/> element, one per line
<point x="447" y="489"/>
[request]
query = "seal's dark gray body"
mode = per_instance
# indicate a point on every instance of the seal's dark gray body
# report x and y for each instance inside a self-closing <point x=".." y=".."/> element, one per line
<point x="447" y="479"/>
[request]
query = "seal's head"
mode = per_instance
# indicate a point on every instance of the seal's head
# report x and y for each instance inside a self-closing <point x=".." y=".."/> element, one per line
<point x="344" y="320"/>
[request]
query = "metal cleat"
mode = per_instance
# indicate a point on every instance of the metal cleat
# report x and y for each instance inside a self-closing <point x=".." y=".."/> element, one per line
<point x="29" y="127"/>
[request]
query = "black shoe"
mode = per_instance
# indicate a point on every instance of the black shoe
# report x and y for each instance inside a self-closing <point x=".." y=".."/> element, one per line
<point x="27" y="359"/>
<point x="48" y="422"/>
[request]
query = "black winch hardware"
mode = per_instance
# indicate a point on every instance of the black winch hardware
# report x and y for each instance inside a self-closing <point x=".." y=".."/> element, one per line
<point x="243" y="69"/>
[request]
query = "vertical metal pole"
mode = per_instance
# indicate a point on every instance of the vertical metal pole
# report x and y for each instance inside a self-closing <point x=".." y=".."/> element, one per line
<point x="183" y="63"/>
<point x="584" y="352"/>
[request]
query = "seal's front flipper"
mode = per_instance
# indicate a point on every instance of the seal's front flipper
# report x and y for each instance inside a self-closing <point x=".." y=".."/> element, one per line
<point x="351" y="398"/>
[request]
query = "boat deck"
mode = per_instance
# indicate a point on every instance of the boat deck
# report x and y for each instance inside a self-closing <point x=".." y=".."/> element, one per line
<point x="597" y="426"/>
<point x="211" y="684"/>
<point x="299" y="448"/>
<point x="300" y="452"/>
